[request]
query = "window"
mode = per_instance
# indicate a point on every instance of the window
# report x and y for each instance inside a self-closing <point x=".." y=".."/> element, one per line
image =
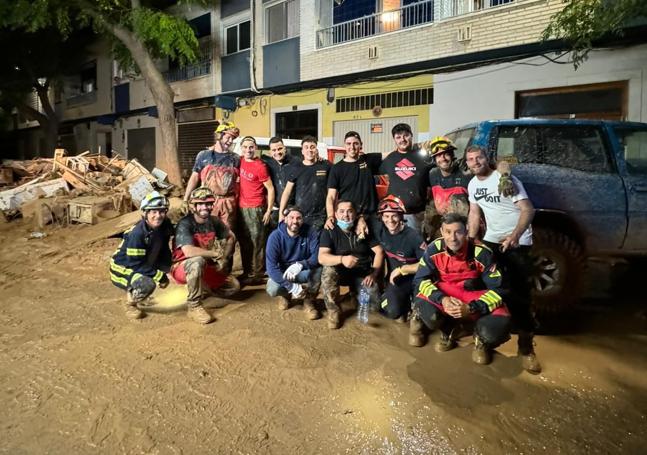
<point x="634" y="144"/>
<point x="461" y="140"/>
<point x="281" y="21"/>
<point x="575" y="147"/>
<point x="237" y="38"/>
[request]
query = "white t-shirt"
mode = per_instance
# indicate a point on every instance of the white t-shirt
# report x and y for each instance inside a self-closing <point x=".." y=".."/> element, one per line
<point x="501" y="213"/>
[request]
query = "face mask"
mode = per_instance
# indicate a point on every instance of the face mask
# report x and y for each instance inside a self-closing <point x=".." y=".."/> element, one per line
<point x="344" y="225"/>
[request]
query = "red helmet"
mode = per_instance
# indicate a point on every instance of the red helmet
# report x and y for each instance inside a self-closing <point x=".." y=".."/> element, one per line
<point x="391" y="204"/>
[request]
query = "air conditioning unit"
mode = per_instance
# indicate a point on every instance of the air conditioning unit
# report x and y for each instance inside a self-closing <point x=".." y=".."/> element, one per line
<point x="464" y="33"/>
<point x="372" y="52"/>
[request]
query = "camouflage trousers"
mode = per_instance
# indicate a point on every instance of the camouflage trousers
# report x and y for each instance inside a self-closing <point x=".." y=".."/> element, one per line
<point x="202" y="279"/>
<point x="332" y="278"/>
<point x="251" y="237"/>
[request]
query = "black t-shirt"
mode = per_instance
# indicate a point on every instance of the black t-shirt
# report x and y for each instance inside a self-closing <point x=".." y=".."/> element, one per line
<point x="279" y="174"/>
<point x="310" y="187"/>
<point x="354" y="181"/>
<point x="408" y="178"/>
<point x="189" y="232"/>
<point x="456" y="179"/>
<point x="348" y="243"/>
<point x="405" y="247"/>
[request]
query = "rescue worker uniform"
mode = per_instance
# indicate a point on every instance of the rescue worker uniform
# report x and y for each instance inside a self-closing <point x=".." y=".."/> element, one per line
<point x="469" y="275"/>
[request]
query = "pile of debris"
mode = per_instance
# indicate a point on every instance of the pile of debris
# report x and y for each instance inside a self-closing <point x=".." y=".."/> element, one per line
<point x="86" y="188"/>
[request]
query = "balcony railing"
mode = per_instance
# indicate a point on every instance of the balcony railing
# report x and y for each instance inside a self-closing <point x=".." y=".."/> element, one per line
<point x="418" y="13"/>
<point x="188" y="72"/>
<point x="82" y="99"/>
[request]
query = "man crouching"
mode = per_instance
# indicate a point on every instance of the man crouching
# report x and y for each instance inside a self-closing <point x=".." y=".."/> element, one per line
<point x="203" y="249"/>
<point x="291" y="263"/>
<point x="143" y="257"/>
<point x="456" y="280"/>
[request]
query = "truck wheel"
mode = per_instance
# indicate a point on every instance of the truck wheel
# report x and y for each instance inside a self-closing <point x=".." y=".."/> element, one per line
<point x="557" y="277"/>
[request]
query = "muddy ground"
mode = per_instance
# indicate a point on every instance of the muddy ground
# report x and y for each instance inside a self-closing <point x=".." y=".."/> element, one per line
<point x="77" y="377"/>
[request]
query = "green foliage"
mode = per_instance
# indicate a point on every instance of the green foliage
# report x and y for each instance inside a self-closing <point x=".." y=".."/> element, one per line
<point x="583" y="22"/>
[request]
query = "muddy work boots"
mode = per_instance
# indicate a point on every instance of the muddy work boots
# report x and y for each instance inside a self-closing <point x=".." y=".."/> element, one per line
<point x="526" y="351"/>
<point x="334" y="318"/>
<point x="198" y="314"/>
<point x="482" y="354"/>
<point x="283" y="303"/>
<point x="132" y="312"/>
<point x="310" y="309"/>
<point x="445" y="342"/>
<point x="416" y="331"/>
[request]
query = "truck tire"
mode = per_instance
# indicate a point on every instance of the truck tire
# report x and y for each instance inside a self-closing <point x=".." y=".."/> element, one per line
<point x="558" y="271"/>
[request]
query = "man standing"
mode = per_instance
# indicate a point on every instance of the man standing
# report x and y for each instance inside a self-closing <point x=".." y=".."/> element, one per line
<point x="278" y="166"/>
<point x="308" y="179"/>
<point x="143" y="258"/>
<point x="459" y="280"/>
<point x="291" y="263"/>
<point x="408" y="173"/>
<point x="348" y="261"/>
<point x="217" y="169"/>
<point x="203" y="248"/>
<point x="509" y="235"/>
<point x="351" y="179"/>
<point x="403" y="247"/>
<point x="255" y="211"/>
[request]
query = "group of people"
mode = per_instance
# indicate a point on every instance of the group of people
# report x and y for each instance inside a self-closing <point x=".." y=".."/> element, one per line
<point x="422" y="254"/>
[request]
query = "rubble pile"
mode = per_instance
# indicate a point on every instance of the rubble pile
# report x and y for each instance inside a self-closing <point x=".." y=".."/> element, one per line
<point x="86" y="188"/>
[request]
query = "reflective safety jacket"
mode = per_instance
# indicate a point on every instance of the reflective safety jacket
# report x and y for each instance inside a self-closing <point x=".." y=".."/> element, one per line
<point x="442" y="272"/>
<point x="143" y="251"/>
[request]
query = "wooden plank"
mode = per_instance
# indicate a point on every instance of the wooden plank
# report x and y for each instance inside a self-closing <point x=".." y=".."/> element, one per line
<point x="107" y="228"/>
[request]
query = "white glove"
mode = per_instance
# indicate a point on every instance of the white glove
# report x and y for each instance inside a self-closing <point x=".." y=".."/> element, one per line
<point x="291" y="272"/>
<point x="297" y="291"/>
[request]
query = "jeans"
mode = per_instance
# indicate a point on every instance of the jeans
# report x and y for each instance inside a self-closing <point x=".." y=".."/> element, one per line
<point x="312" y="277"/>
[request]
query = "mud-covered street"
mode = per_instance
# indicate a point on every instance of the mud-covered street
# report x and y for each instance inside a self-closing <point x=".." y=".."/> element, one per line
<point x="77" y="377"/>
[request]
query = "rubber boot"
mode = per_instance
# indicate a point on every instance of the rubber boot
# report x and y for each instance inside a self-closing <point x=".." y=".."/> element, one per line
<point x="283" y="303"/>
<point x="199" y="315"/>
<point x="526" y="350"/>
<point x="416" y="332"/>
<point x="310" y="310"/>
<point x="482" y="355"/>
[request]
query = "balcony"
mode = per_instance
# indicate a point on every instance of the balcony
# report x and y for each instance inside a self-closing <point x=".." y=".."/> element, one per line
<point x="82" y="99"/>
<point x="412" y="15"/>
<point x="188" y="72"/>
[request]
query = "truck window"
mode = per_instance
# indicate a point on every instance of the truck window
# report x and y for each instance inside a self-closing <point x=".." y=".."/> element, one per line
<point x="518" y="144"/>
<point x="576" y="147"/>
<point x="461" y="139"/>
<point x="634" y="143"/>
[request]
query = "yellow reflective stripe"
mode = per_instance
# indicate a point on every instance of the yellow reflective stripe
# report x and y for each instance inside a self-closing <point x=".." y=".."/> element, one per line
<point x="477" y="250"/>
<point x="118" y="279"/>
<point x="135" y="252"/>
<point x="491" y="299"/>
<point x="495" y="274"/>
<point x="136" y="276"/>
<point x="120" y="269"/>
<point x="384" y="303"/>
<point x="422" y="262"/>
<point x="438" y="243"/>
<point x="158" y="276"/>
<point x="426" y="288"/>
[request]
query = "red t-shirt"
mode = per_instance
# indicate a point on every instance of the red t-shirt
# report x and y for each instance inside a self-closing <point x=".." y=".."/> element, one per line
<point x="252" y="176"/>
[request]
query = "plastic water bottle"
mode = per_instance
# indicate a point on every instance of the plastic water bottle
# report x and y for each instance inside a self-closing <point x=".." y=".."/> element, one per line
<point x="363" y="304"/>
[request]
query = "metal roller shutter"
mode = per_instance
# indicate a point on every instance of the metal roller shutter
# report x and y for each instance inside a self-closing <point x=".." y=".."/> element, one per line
<point x="193" y="137"/>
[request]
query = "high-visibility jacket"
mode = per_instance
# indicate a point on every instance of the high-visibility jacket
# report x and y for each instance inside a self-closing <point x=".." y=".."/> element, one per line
<point x="143" y="251"/>
<point x="442" y="272"/>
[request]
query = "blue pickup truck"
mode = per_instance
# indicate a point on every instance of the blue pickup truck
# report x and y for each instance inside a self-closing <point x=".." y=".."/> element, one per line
<point x="588" y="182"/>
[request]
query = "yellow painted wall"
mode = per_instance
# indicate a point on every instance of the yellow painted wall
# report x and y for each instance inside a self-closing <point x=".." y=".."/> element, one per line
<point x="260" y="123"/>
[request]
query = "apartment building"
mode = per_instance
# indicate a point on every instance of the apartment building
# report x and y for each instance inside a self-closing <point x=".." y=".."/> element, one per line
<point x="323" y="67"/>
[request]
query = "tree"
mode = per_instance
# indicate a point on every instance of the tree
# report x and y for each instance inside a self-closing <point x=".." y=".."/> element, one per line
<point x="34" y="62"/>
<point x="583" y="22"/>
<point x="141" y="31"/>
